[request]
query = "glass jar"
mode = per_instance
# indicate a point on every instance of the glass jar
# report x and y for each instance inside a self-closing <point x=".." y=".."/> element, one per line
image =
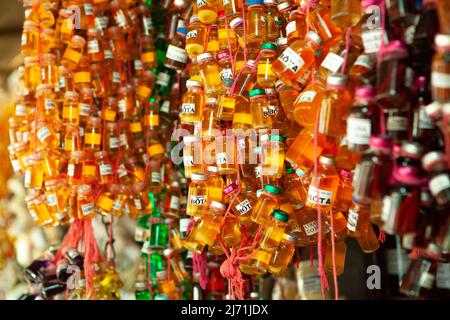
<point x="267" y="202"/>
<point x="192" y="155"/>
<point x="209" y="73"/>
<point x="274" y="231"/>
<point x="85" y="202"/>
<point x="268" y="54"/>
<point x="282" y="256"/>
<point x="104" y="167"/>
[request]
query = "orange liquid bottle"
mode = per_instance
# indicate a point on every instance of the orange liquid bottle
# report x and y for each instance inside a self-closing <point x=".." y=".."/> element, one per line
<point x="294" y="63"/>
<point x="307" y="105"/>
<point x="323" y="188"/>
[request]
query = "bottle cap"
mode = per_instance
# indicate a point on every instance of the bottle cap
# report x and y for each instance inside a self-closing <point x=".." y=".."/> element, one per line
<point x="231" y="188"/>
<point x="217" y="206"/>
<point x="442" y="40"/>
<point x="269" y="46"/>
<point x="223" y="55"/>
<point x="256" y="92"/>
<point x="236" y="22"/>
<point x="280" y="215"/>
<point x="198" y="177"/>
<point x="327" y="160"/>
<point x="434" y="159"/>
<point x="291" y="237"/>
<point x="290" y="170"/>
<point x="168" y="252"/>
<point x="193" y="83"/>
<point x="380" y="142"/>
<point x="212" y="169"/>
<point x="412" y="149"/>
<point x="284" y="5"/>
<point x="364" y="93"/>
<point x="204" y="56"/>
<point x="336" y="80"/>
<point x="254" y="2"/>
<point x="277" y="138"/>
<point x="272" y="189"/>
<point x="314" y="37"/>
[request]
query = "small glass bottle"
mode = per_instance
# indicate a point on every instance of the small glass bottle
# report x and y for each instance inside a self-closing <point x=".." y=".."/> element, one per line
<point x="226" y="159"/>
<point x="209" y="73"/>
<point x="197" y="196"/>
<point x="192" y="104"/>
<point x="192" y="155"/>
<point x="323" y="187"/>
<point x="74" y="52"/>
<point x="282" y="256"/>
<point x="85" y="202"/>
<point x="265" y="77"/>
<point x="267" y="202"/>
<point x="104" y="167"/>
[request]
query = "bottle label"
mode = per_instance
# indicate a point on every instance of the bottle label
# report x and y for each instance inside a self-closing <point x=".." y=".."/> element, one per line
<point x="191" y="34"/>
<point x="156" y="177"/>
<point x="148" y="24"/>
<point x="184" y="223"/>
<point x="332" y="62"/>
<point x="358" y="131"/>
<point x="291" y="27"/>
<point x="174" y="203"/>
<point x="87" y="208"/>
<point x="120" y="18"/>
<point x="352" y="220"/>
<point x="165" y="106"/>
<point x="116" y="77"/>
<point x="20" y="110"/>
<point x="426" y="280"/>
<point x="163" y="79"/>
<point x="440" y="80"/>
<point x="122" y="105"/>
<point x="396" y="262"/>
<point x="270" y="111"/>
<point x="88" y="9"/>
<point x="425" y="121"/>
<point x="137" y="64"/>
<point x="372" y="40"/>
<point x="291" y="60"/>
<point x="121" y="171"/>
<point x="241" y="144"/>
<point x="93" y="46"/>
<point x="177" y="54"/>
<point x="439" y="183"/>
<point x="319" y="196"/>
<point x="71" y="170"/>
<point x="188" y="161"/>
<point x="108" y="55"/>
<point x="16" y="165"/>
<point x="138" y="204"/>
<point x="85" y="109"/>
<point x="117" y="204"/>
<point x="105" y="169"/>
<point x="307" y="96"/>
<point x="27" y="179"/>
<point x="226" y="76"/>
<point x="198" y="200"/>
<point x="49" y="104"/>
<point x="34" y="215"/>
<point x="221" y="158"/>
<point x="123" y="140"/>
<point x="188" y="108"/>
<point x="244" y="207"/>
<point x="43" y="133"/>
<point x="311" y="228"/>
<point x="52" y="200"/>
<point x="443" y="276"/>
<point x="397" y="123"/>
<point x="364" y="61"/>
<point x="258" y="172"/>
<point x="113" y="142"/>
<point x="201" y="3"/>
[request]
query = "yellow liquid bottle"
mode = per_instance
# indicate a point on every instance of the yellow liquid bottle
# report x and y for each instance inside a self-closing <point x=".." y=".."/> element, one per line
<point x="197" y="196"/>
<point x="195" y="37"/>
<point x="273" y="165"/>
<point x="267" y="202"/>
<point x="265" y="77"/>
<point x="282" y="256"/>
<point x="192" y="103"/>
<point x="274" y="231"/>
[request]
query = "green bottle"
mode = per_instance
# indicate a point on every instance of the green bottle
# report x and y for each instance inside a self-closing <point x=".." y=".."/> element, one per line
<point x="142" y="292"/>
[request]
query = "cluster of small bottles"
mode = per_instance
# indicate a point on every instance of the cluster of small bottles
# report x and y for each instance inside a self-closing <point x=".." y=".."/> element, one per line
<point x="59" y="279"/>
<point x="86" y="131"/>
<point x="310" y="117"/>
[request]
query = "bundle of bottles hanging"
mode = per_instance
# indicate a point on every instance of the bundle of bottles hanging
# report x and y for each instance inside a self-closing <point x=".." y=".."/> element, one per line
<point x="237" y="132"/>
